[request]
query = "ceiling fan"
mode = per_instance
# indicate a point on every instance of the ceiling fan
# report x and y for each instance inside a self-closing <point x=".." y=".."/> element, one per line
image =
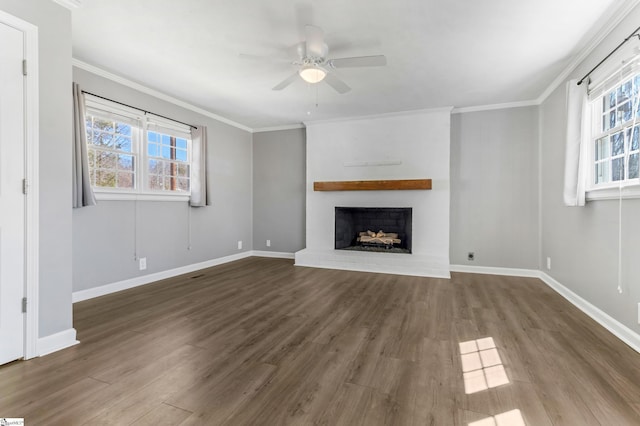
<point x="314" y="66"/>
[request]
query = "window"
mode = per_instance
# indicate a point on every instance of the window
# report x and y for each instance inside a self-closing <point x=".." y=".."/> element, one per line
<point x="615" y="146"/>
<point x="131" y="153"/>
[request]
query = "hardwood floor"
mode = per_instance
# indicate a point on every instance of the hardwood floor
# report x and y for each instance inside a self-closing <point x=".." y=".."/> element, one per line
<point x="261" y="342"/>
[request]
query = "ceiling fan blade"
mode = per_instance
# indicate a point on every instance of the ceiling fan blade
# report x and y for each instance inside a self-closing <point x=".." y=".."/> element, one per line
<point x="337" y="84"/>
<point x="315" y="40"/>
<point x="287" y="81"/>
<point x="359" y="61"/>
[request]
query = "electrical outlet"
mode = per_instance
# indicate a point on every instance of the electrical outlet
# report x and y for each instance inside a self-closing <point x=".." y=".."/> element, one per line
<point x="548" y="263"/>
<point x="143" y="263"/>
<point x="268" y="243"/>
<point x="471" y="256"/>
<point x="240" y="245"/>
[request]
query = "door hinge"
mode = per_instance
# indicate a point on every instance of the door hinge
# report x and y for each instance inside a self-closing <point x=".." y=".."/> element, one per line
<point x="25" y="186"/>
<point x="24" y="305"/>
<point x="24" y="67"/>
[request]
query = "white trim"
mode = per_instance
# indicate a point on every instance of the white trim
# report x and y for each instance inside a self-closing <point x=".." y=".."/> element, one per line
<point x="613" y="193"/>
<point x="32" y="132"/>
<point x="90" y="293"/>
<point x="57" y="341"/>
<point x="69" y="4"/>
<point x="131" y="196"/>
<point x="615" y="17"/>
<point x="278" y="128"/>
<point x="384" y="115"/>
<point x="32" y="221"/>
<point x="492" y="107"/>
<point x="144" y="89"/>
<point x="274" y="254"/>
<point x="618" y="329"/>
<point x="489" y="270"/>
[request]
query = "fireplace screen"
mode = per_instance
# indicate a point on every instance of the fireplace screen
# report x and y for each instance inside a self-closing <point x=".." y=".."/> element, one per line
<point x="381" y="229"/>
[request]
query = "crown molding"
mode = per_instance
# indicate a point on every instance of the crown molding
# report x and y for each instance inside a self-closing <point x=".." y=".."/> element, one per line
<point x="611" y="22"/>
<point x="69" y="4"/>
<point x="383" y="115"/>
<point x="278" y="128"/>
<point x="163" y="96"/>
<point x="492" y="107"/>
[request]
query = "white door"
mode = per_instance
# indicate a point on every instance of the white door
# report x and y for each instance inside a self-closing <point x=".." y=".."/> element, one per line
<point x="12" y="200"/>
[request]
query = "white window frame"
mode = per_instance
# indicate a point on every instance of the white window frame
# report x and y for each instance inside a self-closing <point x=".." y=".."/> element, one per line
<point x="627" y="188"/>
<point x="140" y="151"/>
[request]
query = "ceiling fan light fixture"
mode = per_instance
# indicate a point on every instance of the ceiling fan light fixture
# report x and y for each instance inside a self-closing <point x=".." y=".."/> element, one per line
<point x="312" y="74"/>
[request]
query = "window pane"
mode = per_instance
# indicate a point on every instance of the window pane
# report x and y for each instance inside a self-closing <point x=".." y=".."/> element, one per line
<point x="602" y="148"/>
<point x="166" y="140"/>
<point x="123" y="129"/>
<point x="633" y="166"/>
<point x="183" y="184"/>
<point x="612" y="119"/>
<point x="153" y="137"/>
<point x="152" y="150"/>
<point x="617" y="144"/>
<point x="181" y="154"/>
<point x="154" y="182"/>
<point x="104" y="125"/>
<point x="122" y="143"/>
<point x="624" y="112"/>
<point x="125" y="162"/>
<point x="125" y="180"/>
<point x="612" y="99"/>
<point x="106" y="178"/>
<point x="155" y="167"/>
<point x="602" y="172"/>
<point x="624" y="92"/>
<point x="181" y="143"/>
<point x="634" y="141"/>
<point x="617" y="169"/>
<point x="167" y="168"/>
<point x="166" y="152"/>
<point x="183" y="170"/>
<point x="106" y="160"/>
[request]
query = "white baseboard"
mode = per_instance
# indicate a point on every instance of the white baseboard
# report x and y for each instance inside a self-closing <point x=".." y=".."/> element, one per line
<point x="618" y="329"/>
<point x="276" y="254"/>
<point x="79" y="296"/>
<point x="57" y="341"/>
<point x="489" y="270"/>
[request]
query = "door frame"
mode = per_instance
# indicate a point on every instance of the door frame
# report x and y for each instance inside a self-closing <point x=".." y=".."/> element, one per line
<point x="31" y="155"/>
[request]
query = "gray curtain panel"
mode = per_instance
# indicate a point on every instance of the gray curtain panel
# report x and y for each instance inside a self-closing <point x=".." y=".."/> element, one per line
<point x="199" y="191"/>
<point x="82" y="193"/>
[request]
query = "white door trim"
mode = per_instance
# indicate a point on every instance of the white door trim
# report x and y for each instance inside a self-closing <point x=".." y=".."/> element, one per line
<point x="32" y="128"/>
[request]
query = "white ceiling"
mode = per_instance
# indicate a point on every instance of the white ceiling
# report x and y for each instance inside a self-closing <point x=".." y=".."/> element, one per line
<point x="459" y="53"/>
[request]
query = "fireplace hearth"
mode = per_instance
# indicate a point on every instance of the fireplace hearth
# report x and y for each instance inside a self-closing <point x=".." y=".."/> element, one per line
<point x="377" y="229"/>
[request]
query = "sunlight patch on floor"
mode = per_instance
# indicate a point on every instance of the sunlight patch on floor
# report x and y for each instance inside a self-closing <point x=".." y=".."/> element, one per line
<point x="510" y="418"/>
<point x="481" y="365"/>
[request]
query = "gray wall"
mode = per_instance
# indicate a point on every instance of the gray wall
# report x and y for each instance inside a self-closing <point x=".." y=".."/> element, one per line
<point x="494" y="188"/>
<point x="279" y="179"/>
<point x="583" y="241"/>
<point x="103" y="235"/>
<point x="54" y="40"/>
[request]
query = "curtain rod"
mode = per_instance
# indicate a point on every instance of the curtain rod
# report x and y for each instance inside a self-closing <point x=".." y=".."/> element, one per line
<point x="139" y="109"/>
<point x="634" y="33"/>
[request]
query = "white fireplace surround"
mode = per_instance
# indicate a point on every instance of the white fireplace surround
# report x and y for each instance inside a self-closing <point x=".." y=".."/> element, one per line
<point x="413" y="145"/>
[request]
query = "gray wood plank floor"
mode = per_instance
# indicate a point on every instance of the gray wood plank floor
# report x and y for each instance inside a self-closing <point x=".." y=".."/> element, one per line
<point x="261" y="342"/>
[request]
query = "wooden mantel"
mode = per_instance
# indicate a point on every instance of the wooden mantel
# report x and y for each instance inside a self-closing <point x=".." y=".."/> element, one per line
<point x="372" y="185"/>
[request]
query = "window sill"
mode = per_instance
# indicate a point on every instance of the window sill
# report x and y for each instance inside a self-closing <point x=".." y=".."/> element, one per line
<point x="135" y="196"/>
<point x="613" y="193"/>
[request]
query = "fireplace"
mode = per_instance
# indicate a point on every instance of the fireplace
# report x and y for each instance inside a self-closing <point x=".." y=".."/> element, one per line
<point x="377" y="229"/>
